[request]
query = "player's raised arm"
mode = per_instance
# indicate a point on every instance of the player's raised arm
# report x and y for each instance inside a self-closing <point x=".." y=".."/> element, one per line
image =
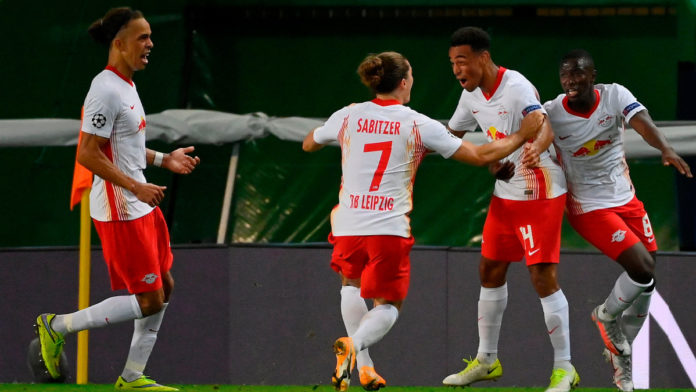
<point x="498" y="149"/>
<point x="644" y="125"/>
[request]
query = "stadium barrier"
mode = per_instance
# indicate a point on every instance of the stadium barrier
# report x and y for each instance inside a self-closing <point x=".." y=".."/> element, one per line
<point x="269" y="314"/>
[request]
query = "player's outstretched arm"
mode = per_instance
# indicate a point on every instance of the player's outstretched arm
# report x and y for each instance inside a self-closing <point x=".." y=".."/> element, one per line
<point x="91" y="156"/>
<point x="644" y="125"/>
<point x="498" y="149"/>
<point x="177" y="161"/>
<point x="309" y="144"/>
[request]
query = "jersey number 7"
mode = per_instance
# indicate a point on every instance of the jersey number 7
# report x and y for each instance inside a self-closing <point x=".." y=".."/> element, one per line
<point x="385" y="148"/>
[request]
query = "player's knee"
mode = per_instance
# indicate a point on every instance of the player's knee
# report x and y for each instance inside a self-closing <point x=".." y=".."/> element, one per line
<point x="150" y="303"/>
<point x="643" y="270"/>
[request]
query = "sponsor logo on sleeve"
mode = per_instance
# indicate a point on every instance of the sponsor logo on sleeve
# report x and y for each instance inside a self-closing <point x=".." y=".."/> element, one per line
<point x="630" y="108"/>
<point x="530" y="109"/>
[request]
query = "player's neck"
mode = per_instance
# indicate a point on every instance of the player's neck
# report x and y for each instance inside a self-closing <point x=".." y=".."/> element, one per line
<point x="585" y="104"/>
<point x="120" y="65"/>
<point x="391" y="97"/>
<point x="489" y="78"/>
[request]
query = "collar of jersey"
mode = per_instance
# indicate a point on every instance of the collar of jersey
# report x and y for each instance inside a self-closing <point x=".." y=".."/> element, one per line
<point x="579" y="114"/>
<point x="498" y="79"/>
<point x="120" y="75"/>
<point x="385" y="102"/>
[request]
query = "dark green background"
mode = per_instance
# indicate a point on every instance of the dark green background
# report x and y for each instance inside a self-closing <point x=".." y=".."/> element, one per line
<point x="298" y="58"/>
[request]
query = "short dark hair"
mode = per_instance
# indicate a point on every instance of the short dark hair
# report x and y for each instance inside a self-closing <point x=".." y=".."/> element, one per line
<point x="475" y="37"/>
<point x="103" y="30"/>
<point x="577" y="54"/>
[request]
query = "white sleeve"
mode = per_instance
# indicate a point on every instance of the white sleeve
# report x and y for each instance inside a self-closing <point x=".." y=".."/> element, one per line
<point x="626" y="102"/>
<point x="102" y="106"/>
<point x="328" y="132"/>
<point x="527" y="100"/>
<point x="436" y="137"/>
<point x="462" y="119"/>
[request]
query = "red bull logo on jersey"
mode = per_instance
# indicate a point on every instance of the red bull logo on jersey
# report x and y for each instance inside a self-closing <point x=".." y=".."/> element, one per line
<point x="142" y="125"/>
<point x="494" y="134"/>
<point x="591" y="147"/>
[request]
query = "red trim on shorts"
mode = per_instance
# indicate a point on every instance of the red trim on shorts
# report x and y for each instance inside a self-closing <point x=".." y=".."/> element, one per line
<point x="119" y="74"/>
<point x="498" y="80"/>
<point x="110" y="191"/>
<point x="385" y="102"/>
<point x="579" y="114"/>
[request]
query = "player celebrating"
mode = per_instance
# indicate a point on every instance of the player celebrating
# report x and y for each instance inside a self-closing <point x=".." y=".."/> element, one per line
<point x="123" y="205"/>
<point x="382" y="144"/>
<point x="602" y="205"/>
<point x="525" y="213"/>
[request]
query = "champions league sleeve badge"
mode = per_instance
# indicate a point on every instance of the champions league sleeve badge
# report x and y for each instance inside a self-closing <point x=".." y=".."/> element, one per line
<point x="98" y="120"/>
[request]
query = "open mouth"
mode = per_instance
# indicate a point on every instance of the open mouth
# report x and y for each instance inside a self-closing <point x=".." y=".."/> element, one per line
<point x="144" y="57"/>
<point x="462" y="81"/>
<point x="571" y="93"/>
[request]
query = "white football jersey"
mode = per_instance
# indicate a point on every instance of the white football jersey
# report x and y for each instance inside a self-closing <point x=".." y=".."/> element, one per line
<point x="499" y="115"/>
<point x="113" y="110"/>
<point x="590" y="148"/>
<point x="382" y="145"/>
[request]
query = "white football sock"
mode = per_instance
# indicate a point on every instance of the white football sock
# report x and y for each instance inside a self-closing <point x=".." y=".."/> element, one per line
<point x="353" y="309"/>
<point x="491" y="306"/>
<point x="633" y="318"/>
<point x="558" y="326"/>
<point x="625" y="291"/>
<point x="374" y="325"/>
<point x="144" y="338"/>
<point x="110" y="311"/>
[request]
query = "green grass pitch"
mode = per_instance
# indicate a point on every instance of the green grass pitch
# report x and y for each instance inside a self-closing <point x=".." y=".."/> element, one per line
<point x="283" y="388"/>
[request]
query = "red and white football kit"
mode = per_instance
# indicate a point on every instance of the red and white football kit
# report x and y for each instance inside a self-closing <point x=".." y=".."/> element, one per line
<point x="526" y="212"/>
<point x="382" y="145"/>
<point x="134" y="236"/>
<point x="602" y="205"/>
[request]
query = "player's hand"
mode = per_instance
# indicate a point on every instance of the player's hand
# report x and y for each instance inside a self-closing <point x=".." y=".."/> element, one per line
<point x="179" y="162"/>
<point x="149" y="193"/>
<point x="531" y="124"/>
<point x="530" y="156"/>
<point x="669" y="157"/>
<point x="502" y="170"/>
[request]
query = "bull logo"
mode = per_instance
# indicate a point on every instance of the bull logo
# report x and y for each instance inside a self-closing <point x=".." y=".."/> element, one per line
<point x="142" y="125"/>
<point x="149" y="278"/>
<point x="605" y="121"/>
<point x="494" y="134"/>
<point x="591" y="148"/>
